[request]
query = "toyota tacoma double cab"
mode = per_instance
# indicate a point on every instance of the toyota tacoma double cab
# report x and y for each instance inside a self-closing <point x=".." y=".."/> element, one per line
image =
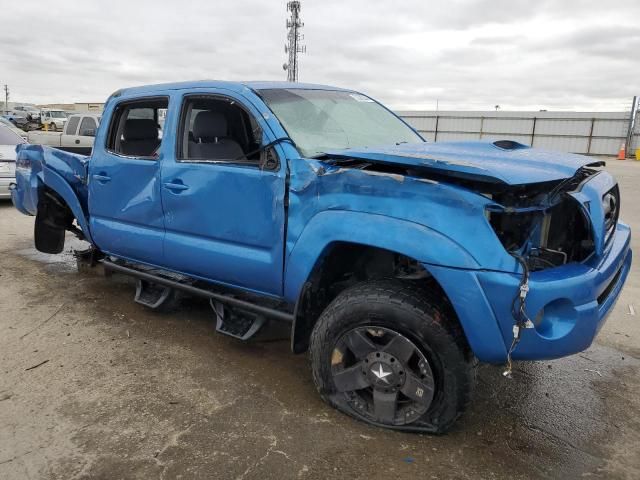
<point x="397" y="263"/>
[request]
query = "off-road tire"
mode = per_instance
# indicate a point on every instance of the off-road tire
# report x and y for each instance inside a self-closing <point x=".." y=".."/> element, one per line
<point x="421" y="315"/>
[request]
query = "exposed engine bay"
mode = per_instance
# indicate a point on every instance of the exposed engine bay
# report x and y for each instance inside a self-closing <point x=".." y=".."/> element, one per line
<point x="543" y="224"/>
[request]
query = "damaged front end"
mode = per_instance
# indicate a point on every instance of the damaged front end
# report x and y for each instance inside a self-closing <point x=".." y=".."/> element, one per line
<point x="548" y="253"/>
<point x="547" y="224"/>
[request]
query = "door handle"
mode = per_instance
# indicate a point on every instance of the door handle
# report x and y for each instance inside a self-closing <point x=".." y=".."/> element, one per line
<point x="102" y="178"/>
<point x="77" y="141"/>
<point x="178" y="187"/>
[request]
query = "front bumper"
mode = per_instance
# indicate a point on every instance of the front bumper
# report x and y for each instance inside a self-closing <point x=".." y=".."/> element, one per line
<point x="568" y="305"/>
<point x="4" y="187"/>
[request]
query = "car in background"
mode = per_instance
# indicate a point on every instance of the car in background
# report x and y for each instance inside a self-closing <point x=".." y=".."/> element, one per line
<point x="8" y="141"/>
<point x="53" y="119"/>
<point x="17" y="118"/>
<point x="12" y="127"/>
<point x="32" y="113"/>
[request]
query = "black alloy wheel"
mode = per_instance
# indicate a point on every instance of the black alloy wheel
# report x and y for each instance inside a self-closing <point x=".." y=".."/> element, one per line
<point x="383" y="375"/>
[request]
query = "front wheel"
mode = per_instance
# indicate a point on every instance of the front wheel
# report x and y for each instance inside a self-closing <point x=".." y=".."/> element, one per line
<point x="392" y="354"/>
<point x="52" y="127"/>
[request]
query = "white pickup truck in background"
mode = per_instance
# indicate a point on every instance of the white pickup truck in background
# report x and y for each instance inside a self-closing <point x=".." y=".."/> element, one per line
<point x="77" y="137"/>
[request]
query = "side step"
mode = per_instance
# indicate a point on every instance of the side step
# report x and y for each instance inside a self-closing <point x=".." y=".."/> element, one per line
<point x="224" y="298"/>
<point x="152" y="295"/>
<point x="236" y="323"/>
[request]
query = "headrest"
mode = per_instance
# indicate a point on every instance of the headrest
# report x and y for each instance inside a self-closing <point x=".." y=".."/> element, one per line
<point x="140" y="129"/>
<point x="209" y="124"/>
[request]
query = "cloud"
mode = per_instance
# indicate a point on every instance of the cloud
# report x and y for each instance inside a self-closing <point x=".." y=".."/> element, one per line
<point x="574" y="54"/>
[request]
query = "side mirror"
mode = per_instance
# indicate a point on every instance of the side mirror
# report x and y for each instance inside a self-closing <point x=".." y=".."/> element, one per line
<point x="269" y="159"/>
<point x="88" y="133"/>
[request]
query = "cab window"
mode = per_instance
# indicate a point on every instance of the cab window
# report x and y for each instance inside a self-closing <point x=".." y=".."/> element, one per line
<point x="218" y="129"/>
<point x="135" y="129"/>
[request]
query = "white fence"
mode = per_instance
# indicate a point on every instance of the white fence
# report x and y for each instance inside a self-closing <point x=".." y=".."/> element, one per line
<point x="590" y="133"/>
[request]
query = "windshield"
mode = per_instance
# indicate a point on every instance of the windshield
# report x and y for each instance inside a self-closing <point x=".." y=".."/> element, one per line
<point x="8" y="137"/>
<point x="58" y="115"/>
<point x="321" y="120"/>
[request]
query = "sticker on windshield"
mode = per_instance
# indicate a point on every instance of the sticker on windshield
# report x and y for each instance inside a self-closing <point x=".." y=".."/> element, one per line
<point x="360" y="98"/>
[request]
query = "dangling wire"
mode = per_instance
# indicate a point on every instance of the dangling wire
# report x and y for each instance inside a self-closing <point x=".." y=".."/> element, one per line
<point x="521" y="320"/>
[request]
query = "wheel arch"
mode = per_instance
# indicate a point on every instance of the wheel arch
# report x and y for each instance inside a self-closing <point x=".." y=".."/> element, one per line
<point x="56" y="183"/>
<point x="411" y="239"/>
<point x="374" y="246"/>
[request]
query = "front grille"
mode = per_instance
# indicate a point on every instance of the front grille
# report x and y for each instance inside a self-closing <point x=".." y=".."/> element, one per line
<point x="611" y="207"/>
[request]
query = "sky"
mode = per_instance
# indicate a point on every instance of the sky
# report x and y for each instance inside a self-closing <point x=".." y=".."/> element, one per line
<point x="410" y="55"/>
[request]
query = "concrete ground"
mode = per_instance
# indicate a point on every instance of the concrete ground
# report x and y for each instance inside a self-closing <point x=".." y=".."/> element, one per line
<point x="93" y="385"/>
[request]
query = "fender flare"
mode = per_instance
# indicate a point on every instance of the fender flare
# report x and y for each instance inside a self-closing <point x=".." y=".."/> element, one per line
<point x="407" y="238"/>
<point x="57" y="183"/>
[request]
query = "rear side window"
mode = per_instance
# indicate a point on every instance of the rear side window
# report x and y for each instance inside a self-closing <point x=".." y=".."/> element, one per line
<point x="135" y="129"/>
<point x="72" y="125"/>
<point x="88" y="126"/>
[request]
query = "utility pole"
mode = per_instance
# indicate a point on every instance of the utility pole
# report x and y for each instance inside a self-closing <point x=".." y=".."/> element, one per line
<point x="294" y="38"/>
<point x="6" y="98"/>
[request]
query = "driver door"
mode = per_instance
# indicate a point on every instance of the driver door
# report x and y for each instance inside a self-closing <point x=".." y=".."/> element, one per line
<point x="223" y="199"/>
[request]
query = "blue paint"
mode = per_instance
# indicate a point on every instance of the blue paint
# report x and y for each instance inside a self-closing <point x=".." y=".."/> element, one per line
<point x="485" y="160"/>
<point x="264" y="230"/>
<point x="227" y="225"/>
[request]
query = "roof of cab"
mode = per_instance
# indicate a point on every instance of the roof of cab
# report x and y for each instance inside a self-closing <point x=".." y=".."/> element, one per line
<point x="234" y="86"/>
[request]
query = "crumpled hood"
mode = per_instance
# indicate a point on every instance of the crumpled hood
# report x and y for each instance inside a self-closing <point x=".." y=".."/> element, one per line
<point x="483" y="161"/>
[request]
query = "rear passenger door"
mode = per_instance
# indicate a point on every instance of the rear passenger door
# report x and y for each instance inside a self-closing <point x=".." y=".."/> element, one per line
<point x="126" y="216"/>
<point x="223" y="198"/>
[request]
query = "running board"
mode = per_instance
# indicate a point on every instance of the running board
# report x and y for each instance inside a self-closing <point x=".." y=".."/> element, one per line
<point x="200" y="292"/>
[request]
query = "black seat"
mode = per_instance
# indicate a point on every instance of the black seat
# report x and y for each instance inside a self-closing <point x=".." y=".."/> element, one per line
<point x="210" y="138"/>
<point x="140" y="137"/>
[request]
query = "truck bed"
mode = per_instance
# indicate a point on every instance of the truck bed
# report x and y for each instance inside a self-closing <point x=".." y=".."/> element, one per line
<point x="52" y="139"/>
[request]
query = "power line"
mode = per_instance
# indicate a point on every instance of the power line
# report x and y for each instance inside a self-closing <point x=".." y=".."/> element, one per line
<point x="294" y="39"/>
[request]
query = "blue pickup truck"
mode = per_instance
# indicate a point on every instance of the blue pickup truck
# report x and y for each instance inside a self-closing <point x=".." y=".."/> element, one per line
<point x="397" y="263"/>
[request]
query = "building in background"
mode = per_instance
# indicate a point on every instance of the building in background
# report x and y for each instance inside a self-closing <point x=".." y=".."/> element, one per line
<point x="78" y="107"/>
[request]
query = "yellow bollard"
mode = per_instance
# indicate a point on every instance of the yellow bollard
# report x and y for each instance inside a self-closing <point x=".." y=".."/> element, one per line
<point x="46" y="127"/>
<point x="637" y="153"/>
